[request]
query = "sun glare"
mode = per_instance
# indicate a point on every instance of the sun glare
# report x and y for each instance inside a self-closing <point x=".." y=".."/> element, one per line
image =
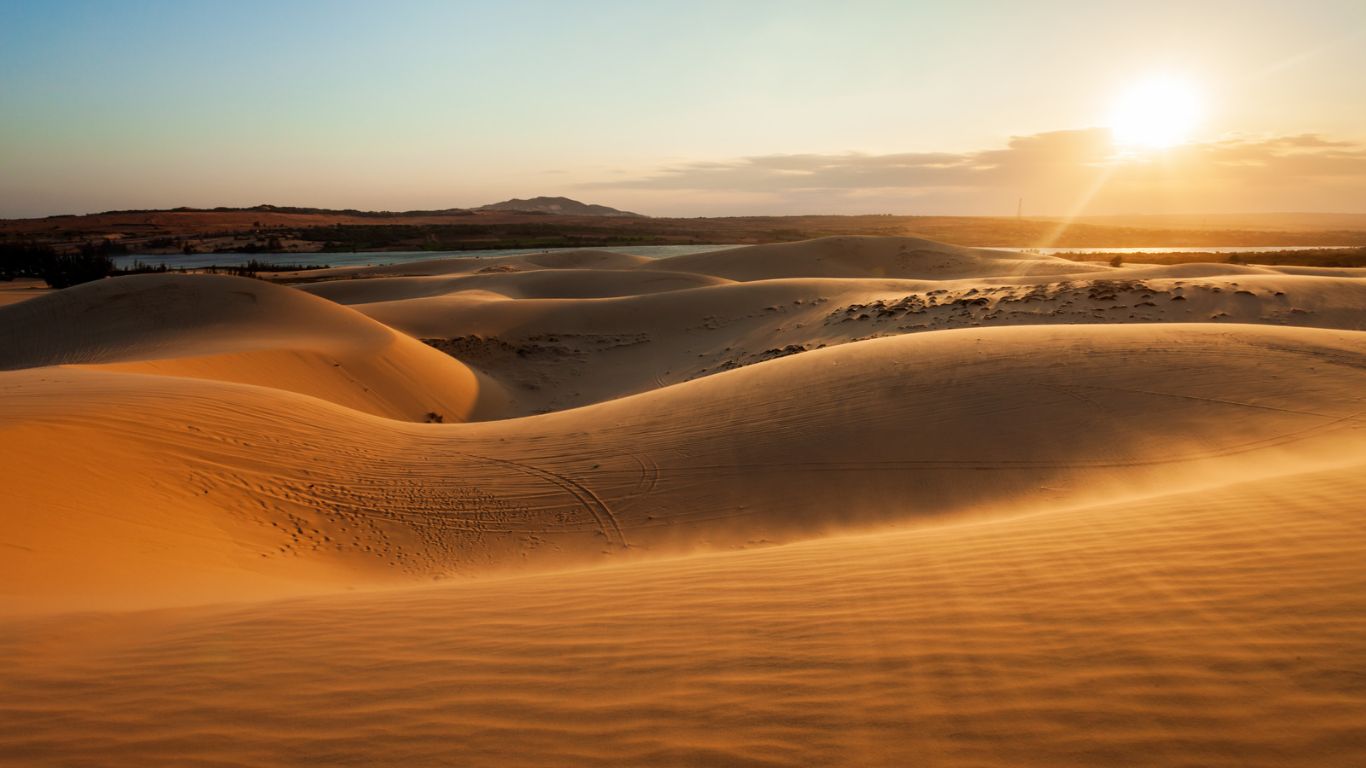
<point x="1156" y="113"/>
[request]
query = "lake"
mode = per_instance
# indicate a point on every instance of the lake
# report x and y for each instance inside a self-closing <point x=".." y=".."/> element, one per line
<point x="375" y="258"/>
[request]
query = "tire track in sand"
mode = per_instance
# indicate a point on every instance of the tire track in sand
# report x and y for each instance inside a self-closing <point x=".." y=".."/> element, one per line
<point x="590" y="501"/>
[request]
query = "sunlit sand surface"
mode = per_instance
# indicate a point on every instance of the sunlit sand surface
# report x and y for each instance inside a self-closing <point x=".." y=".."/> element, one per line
<point x="860" y="501"/>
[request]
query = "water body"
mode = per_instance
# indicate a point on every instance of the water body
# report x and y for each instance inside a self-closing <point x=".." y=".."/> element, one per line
<point x="375" y="258"/>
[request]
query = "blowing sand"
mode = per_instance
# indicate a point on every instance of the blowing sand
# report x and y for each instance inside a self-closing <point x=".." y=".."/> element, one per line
<point x="871" y="501"/>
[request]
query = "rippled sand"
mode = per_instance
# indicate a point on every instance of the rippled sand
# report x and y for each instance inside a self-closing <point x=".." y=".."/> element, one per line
<point x="231" y="538"/>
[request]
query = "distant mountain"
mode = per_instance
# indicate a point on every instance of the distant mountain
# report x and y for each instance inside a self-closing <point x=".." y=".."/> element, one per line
<point x="562" y="206"/>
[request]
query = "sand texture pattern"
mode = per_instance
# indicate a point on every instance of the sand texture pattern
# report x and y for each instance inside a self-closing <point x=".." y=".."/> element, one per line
<point x="853" y="501"/>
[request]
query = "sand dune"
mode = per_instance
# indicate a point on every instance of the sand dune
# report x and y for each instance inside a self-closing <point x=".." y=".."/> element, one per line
<point x="879" y="432"/>
<point x="539" y="284"/>
<point x="904" y="257"/>
<point x="866" y="501"/>
<point x="21" y="289"/>
<point x="554" y="354"/>
<point x="568" y="259"/>
<point x="1218" y="628"/>
<point x="247" y="331"/>
<point x="845" y="256"/>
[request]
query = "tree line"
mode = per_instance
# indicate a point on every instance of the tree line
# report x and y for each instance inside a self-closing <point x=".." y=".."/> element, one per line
<point x="58" y="269"/>
<point x="92" y="261"/>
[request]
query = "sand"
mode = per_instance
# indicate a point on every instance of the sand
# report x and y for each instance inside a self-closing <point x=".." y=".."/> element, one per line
<point x="852" y="501"/>
<point x="21" y="289"/>
<point x="244" y="331"/>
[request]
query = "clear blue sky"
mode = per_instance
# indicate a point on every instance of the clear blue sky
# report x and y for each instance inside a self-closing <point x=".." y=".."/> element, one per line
<point x="434" y="104"/>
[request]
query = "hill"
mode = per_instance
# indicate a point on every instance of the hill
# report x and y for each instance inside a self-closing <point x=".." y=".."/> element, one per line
<point x="559" y="206"/>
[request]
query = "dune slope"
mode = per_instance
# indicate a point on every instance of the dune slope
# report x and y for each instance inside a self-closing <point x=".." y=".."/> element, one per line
<point x="246" y="331"/>
<point x="1218" y="628"/>
<point x="587" y="327"/>
<point x="903" y="257"/>
<point x="557" y="353"/>
<point x="974" y="422"/>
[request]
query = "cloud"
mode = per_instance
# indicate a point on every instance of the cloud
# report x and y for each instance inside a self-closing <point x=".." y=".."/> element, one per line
<point x="1055" y="169"/>
<point x="1028" y="154"/>
<point x="1280" y="159"/>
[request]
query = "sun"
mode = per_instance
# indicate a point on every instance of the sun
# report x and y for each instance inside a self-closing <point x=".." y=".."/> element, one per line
<point x="1156" y="113"/>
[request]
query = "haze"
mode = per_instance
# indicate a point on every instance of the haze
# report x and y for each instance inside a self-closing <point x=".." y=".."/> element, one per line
<point x="680" y="108"/>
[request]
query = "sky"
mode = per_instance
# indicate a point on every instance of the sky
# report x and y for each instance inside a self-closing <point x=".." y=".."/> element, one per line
<point x="682" y="108"/>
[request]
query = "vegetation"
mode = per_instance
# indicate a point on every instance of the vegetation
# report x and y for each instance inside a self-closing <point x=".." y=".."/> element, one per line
<point x="141" y="268"/>
<point x="316" y="229"/>
<point x="249" y="230"/>
<point x="1317" y="257"/>
<point x="252" y="268"/>
<point x="458" y="237"/>
<point x="60" y="270"/>
<point x="296" y="210"/>
<point x="271" y="245"/>
<point x="91" y="261"/>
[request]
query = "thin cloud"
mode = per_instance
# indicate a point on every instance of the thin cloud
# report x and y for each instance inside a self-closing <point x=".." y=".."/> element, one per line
<point x="1055" y="160"/>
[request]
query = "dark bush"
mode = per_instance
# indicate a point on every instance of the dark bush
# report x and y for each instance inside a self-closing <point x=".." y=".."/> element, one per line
<point x="141" y="267"/>
<point x="59" y="270"/>
<point x="23" y="259"/>
<point x="64" y="270"/>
